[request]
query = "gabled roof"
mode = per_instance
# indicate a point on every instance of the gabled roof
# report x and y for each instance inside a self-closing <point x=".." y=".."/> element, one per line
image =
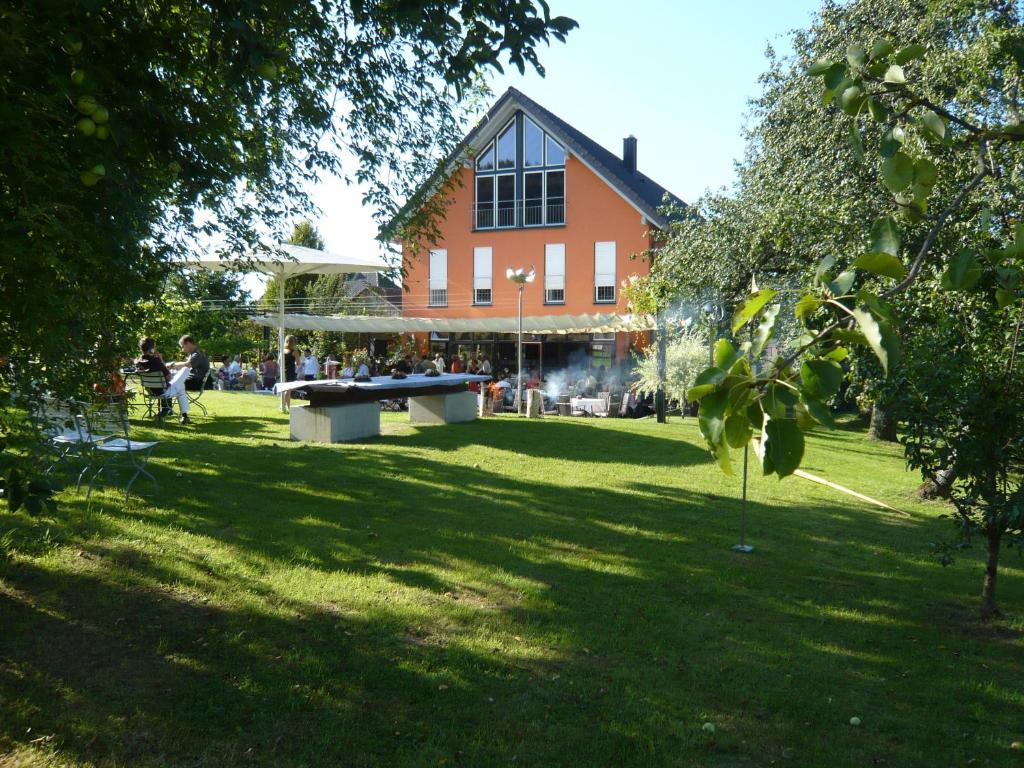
<point x="639" y="190"/>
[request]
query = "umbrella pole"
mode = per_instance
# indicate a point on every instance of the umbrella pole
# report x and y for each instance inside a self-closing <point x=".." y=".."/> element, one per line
<point x="280" y="335"/>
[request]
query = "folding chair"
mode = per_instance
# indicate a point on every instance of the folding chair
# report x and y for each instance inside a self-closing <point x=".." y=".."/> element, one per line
<point x="195" y="395"/>
<point x="117" y="450"/>
<point x="154" y="391"/>
<point x="66" y="435"/>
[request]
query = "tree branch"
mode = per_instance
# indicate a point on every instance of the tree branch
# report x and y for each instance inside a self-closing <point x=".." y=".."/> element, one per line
<point x="940" y="221"/>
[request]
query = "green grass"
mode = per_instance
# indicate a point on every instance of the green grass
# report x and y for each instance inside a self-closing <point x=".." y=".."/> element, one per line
<point x="555" y="593"/>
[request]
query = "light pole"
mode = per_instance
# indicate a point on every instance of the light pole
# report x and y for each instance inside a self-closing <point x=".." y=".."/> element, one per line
<point x="521" y="277"/>
<point x="715" y="314"/>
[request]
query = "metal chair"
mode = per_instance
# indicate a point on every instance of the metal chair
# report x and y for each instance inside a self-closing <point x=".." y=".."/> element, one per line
<point x="195" y="395"/>
<point x="119" y="449"/>
<point x="154" y="391"/>
<point x="66" y="435"/>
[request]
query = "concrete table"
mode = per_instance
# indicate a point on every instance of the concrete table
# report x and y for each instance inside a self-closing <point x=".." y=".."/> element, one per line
<point x="343" y="409"/>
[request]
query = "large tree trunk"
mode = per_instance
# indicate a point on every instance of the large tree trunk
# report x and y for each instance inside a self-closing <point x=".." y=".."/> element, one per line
<point x="883" y="424"/>
<point x="989" y="609"/>
<point x="940" y="487"/>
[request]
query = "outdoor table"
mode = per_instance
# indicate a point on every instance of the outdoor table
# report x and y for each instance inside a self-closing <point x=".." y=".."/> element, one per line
<point x="595" y="406"/>
<point x="345" y="409"/>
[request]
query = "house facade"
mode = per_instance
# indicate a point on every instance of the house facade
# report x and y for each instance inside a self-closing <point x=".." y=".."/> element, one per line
<point x="532" y="191"/>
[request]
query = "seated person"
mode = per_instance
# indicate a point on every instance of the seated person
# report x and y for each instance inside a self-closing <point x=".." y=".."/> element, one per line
<point x="196" y="362"/>
<point x="235" y="369"/>
<point x="403" y="365"/>
<point x="347" y="372"/>
<point x="150" y="361"/>
<point x="269" y="371"/>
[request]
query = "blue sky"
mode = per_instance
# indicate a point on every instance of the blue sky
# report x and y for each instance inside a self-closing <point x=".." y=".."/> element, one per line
<point x="675" y="73"/>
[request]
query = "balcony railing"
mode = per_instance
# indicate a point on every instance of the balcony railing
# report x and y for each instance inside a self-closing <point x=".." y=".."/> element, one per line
<point x="528" y="214"/>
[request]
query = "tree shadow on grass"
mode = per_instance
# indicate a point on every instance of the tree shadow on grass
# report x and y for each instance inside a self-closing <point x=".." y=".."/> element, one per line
<point x="508" y="617"/>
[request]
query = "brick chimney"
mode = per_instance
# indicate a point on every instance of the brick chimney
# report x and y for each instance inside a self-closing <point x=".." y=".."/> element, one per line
<point x="629" y="153"/>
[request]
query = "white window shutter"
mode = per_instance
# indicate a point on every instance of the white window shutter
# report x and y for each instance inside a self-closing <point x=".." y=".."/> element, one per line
<point x="554" y="266"/>
<point x="604" y="264"/>
<point x="439" y="269"/>
<point x="482" y="268"/>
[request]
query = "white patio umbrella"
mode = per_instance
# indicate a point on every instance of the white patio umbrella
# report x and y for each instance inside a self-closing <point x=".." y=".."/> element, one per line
<point x="292" y="261"/>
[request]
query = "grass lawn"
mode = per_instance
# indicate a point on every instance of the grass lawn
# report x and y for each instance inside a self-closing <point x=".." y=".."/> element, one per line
<point x="554" y="593"/>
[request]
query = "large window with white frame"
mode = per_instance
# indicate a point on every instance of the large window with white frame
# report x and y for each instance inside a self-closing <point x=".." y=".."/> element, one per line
<point x="482" y="275"/>
<point x="520" y="178"/>
<point x="604" y="272"/>
<point x="437" y="289"/>
<point x="554" y="273"/>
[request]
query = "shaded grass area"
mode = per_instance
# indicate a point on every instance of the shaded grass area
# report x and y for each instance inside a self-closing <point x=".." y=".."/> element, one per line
<point x="555" y="593"/>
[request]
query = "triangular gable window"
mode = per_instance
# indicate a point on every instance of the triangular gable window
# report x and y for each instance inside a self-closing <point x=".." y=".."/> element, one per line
<point x="486" y="160"/>
<point x="554" y="152"/>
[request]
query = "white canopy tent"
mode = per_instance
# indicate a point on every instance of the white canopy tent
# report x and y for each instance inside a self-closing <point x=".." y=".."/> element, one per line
<point x="558" y="324"/>
<point x="288" y="260"/>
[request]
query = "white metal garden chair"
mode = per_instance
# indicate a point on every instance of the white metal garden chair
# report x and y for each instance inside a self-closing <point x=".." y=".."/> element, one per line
<point x="66" y="435"/>
<point x="119" y="450"/>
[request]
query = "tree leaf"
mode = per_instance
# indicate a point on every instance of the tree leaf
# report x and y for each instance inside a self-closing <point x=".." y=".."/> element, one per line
<point x="764" y="330"/>
<point x="934" y="124"/>
<point x="884" y="264"/>
<point x="706" y="382"/>
<point x="848" y="336"/>
<point x="881" y="47"/>
<point x="725" y="354"/>
<point x="784" y="446"/>
<point x="821" y="378"/>
<point x="963" y="272"/>
<point x="879" y="336"/>
<point x="856" y="55"/>
<point x="834" y="75"/>
<point x="806" y="307"/>
<point x="897" y="172"/>
<point x="738" y="430"/>
<point x="852" y="99"/>
<point x="880" y="307"/>
<point x="925" y="173"/>
<point x="894" y="75"/>
<point x="909" y="53"/>
<point x="819" y="67"/>
<point x="824" y="266"/>
<point x="820" y="412"/>
<point x="751" y="307"/>
<point x="885" y="236"/>
<point x="711" y="416"/>
<point x="879" y="112"/>
<point x="1005" y="298"/>
<point x="842" y="284"/>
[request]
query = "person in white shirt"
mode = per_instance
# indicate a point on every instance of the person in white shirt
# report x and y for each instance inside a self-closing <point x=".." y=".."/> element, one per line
<point x="235" y="369"/>
<point x="485" y="365"/>
<point x="310" y="367"/>
<point x="439" y="363"/>
<point x="363" y="370"/>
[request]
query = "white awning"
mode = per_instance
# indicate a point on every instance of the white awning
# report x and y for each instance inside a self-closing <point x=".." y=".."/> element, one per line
<point x="289" y="260"/>
<point x="608" y="322"/>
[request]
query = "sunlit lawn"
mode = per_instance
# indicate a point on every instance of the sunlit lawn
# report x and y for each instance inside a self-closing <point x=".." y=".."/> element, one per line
<point x="555" y="593"/>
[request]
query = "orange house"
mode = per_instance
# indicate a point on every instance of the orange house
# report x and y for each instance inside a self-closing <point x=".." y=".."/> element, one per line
<point x="533" y="192"/>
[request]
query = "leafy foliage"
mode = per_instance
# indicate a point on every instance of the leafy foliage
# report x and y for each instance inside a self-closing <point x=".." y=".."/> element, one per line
<point x="131" y="131"/>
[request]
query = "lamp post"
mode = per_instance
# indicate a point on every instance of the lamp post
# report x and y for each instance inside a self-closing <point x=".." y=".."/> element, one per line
<point x="520" y="277"/>
<point x="715" y="314"/>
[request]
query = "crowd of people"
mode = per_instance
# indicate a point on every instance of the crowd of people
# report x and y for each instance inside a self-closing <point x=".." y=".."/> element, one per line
<point x="300" y="364"/>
